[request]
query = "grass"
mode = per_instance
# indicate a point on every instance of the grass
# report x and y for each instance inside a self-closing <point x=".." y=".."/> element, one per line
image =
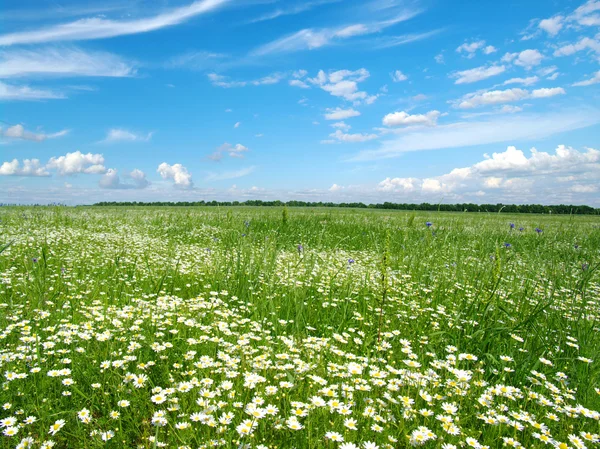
<point x="249" y="327"/>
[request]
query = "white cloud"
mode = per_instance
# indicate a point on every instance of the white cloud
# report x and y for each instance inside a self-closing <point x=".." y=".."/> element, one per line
<point x="30" y="167"/>
<point x="111" y="180"/>
<point x="177" y="173"/>
<point x="477" y="99"/>
<point x="77" y="162"/>
<point x="529" y="58"/>
<point x="587" y="14"/>
<point x="10" y="92"/>
<point x="122" y="135"/>
<point x="439" y="58"/>
<point x="237" y="124"/>
<point x="470" y="48"/>
<point x="585" y="43"/>
<point x="139" y="178"/>
<point x="352" y="138"/>
<point x="234" y="174"/>
<point x="595" y="79"/>
<point x="511" y="173"/>
<point x="224" y="81"/>
<point x="404" y="119"/>
<point x="310" y="38"/>
<point x="341" y="125"/>
<point x="399" y="184"/>
<point x="99" y="28"/>
<point x="552" y="26"/>
<point x="547" y="70"/>
<point x="62" y="62"/>
<point x="299" y="83"/>
<point x="342" y="83"/>
<point x="335" y="188"/>
<point x="295" y="9"/>
<point x="398" y="76"/>
<point x="236" y="151"/>
<point x="510" y="109"/>
<point x="524" y="81"/>
<point x="509" y="57"/>
<point x="19" y="132"/>
<point x="547" y="92"/>
<point x="477" y="74"/>
<point x="340" y="114"/>
<point x="490" y="49"/>
<point x="495" y="129"/>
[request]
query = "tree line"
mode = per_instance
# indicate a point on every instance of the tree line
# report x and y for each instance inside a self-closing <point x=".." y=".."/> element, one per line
<point x="459" y="207"/>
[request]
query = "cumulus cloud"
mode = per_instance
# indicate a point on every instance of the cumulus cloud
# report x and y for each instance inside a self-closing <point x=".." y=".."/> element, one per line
<point x="595" y="79"/>
<point x="111" y="180"/>
<point x="552" y="25"/>
<point x="398" y="76"/>
<point x="236" y="151"/>
<point x="99" y="28"/>
<point x="585" y="43"/>
<point x="340" y="83"/>
<point x="123" y="135"/>
<point x="19" y="132"/>
<point x="528" y="81"/>
<point x="77" y="162"/>
<point x="470" y="48"/>
<point x="341" y="125"/>
<point x="340" y="114"/>
<point x="30" y="167"/>
<point x="299" y="83"/>
<point x="511" y="172"/>
<point x="477" y="74"/>
<point x="62" y="62"/>
<point x="405" y="119"/>
<point x="177" y="173"/>
<point x="477" y="99"/>
<point x="529" y="59"/>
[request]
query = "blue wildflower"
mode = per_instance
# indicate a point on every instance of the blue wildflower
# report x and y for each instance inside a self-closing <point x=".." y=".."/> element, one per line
<point x="512" y="225"/>
<point x="507" y="245"/>
<point x="428" y="224"/>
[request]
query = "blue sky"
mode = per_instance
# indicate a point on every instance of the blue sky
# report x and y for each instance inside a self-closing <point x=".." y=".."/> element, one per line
<point x="322" y="100"/>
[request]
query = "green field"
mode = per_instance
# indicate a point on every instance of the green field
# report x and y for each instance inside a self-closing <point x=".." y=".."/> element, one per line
<point x="301" y="328"/>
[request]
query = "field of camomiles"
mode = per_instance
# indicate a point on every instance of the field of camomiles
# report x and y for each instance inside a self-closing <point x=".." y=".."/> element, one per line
<point x="302" y="328"/>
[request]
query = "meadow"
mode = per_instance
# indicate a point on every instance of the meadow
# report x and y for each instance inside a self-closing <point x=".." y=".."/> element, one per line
<point x="303" y="328"/>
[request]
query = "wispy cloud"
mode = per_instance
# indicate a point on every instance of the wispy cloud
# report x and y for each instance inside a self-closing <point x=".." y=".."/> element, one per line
<point x="11" y="92"/>
<point x="494" y="97"/>
<point x="494" y="130"/>
<point x="236" y="151"/>
<point x="312" y="38"/>
<point x="226" y="82"/>
<point x="62" y="62"/>
<point x="233" y="174"/>
<point x="99" y="28"/>
<point x="123" y="135"/>
<point x="19" y="132"/>
<point x="292" y="10"/>
<point x="394" y="41"/>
